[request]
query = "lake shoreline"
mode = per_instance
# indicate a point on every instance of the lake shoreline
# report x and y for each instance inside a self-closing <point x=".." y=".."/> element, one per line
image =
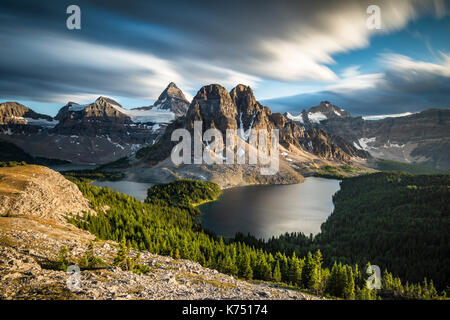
<point x="271" y="210"/>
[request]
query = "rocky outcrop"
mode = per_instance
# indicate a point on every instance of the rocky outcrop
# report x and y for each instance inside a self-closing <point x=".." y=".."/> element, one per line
<point x="302" y="150"/>
<point x="15" y="118"/>
<point x="39" y="192"/>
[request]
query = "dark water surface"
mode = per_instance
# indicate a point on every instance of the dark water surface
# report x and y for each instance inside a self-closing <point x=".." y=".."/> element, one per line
<point x="266" y="211"/>
<point x="135" y="189"/>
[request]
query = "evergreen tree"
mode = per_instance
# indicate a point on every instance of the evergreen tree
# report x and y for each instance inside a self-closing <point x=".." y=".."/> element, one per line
<point x="277" y="272"/>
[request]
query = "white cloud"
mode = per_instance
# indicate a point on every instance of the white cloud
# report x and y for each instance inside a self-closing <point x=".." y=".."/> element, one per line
<point x="352" y="79"/>
<point x="305" y="53"/>
<point x="403" y="63"/>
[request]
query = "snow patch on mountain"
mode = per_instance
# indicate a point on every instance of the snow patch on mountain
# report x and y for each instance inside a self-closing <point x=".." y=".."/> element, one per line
<point x="155" y="115"/>
<point x="316" y="117"/>
<point x="41" y="122"/>
<point x="363" y="142"/>
<point x="298" y="118"/>
<point x="383" y="116"/>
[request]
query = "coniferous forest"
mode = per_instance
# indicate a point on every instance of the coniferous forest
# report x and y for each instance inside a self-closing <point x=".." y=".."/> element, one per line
<point x="397" y="221"/>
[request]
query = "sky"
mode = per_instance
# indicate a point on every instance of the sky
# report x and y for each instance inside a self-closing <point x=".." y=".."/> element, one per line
<point x="293" y="54"/>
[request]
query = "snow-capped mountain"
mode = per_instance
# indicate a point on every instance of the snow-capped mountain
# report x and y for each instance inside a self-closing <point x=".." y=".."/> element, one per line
<point x="171" y="101"/>
<point x="96" y="132"/>
<point x="16" y="116"/>
<point x="421" y="137"/>
<point x="315" y="115"/>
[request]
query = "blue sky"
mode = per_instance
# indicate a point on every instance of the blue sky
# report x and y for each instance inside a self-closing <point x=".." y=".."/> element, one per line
<point x="292" y="53"/>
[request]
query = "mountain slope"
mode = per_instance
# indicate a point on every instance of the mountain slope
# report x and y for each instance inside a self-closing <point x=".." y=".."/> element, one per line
<point x="94" y="133"/>
<point x="16" y="113"/>
<point x="418" y="138"/>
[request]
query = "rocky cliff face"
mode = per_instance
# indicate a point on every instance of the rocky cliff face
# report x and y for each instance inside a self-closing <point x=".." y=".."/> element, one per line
<point x="104" y="117"/>
<point x="35" y="230"/>
<point x="420" y="138"/>
<point x="303" y="150"/>
<point x="217" y="108"/>
<point x="15" y="118"/>
<point x="16" y="113"/>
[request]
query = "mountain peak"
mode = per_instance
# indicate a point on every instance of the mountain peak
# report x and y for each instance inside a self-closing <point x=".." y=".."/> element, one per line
<point x="244" y="99"/>
<point x="213" y="105"/>
<point x="103" y="99"/>
<point x="171" y="91"/>
<point x="211" y="91"/>
<point x="329" y="110"/>
<point x="172" y="85"/>
<point x="15" y="113"/>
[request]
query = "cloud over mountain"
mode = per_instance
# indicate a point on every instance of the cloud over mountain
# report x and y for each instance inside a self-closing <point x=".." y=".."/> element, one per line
<point x="133" y="49"/>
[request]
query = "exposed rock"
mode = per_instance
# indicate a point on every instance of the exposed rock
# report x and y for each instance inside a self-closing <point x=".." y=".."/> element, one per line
<point x="40" y="192"/>
<point x="16" y="113"/>
<point x="422" y="137"/>
<point x="239" y="110"/>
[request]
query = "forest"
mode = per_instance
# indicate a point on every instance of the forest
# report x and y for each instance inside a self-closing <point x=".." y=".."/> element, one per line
<point x="170" y="227"/>
<point x="413" y="168"/>
<point x="395" y="220"/>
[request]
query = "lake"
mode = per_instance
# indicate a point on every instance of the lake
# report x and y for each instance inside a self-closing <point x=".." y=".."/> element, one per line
<point x="266" y="211"/>
<point x="135" y="189"/>
<point x="263" y="211"/>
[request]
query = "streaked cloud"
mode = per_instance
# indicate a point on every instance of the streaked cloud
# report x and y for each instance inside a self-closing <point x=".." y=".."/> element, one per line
<point x="134" y="48"/>
<point x="405" y="85"/>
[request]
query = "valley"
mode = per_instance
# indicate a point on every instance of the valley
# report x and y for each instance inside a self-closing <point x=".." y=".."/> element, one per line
<point x="230" y="223"/>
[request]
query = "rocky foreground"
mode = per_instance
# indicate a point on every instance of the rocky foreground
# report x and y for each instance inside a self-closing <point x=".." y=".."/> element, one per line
<point x="29" y="241"/>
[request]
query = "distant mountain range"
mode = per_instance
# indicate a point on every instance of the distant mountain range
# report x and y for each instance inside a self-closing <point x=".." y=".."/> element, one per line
<point x="94" y="133"/>
<point x="422" y="137"/>
<point x="104" y="131"/>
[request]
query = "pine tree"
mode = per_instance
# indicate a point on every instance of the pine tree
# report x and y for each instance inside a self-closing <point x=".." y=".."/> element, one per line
<point x="295" y="272"/>
<point x="244" y="269"/>
<point x="277" y="272"/>
<point x="349" y="288"/>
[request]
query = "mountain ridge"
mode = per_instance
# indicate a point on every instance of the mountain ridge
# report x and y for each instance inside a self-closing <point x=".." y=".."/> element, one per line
<point x="421" y="137"/>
